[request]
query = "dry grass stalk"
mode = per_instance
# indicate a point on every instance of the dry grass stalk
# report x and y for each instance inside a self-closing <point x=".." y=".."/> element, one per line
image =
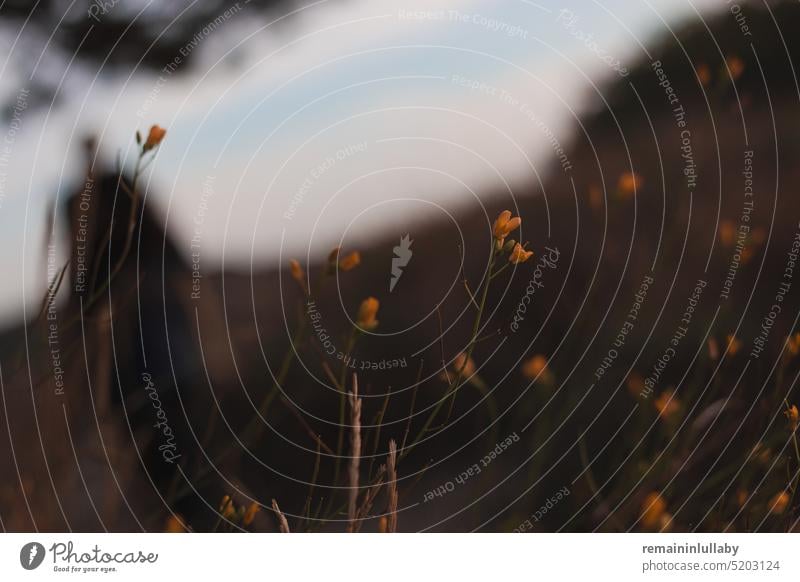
<point x="355" y="454"/>
<point x="369" y="499"/>
<point x="370" y="496"/>
<point x="284" y="525"/>
<point x="391" y="486"/>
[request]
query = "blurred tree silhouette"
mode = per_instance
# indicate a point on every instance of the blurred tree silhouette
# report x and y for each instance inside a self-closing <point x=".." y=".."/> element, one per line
<point x="124" y="31"/>
<point x="120" y="34"/>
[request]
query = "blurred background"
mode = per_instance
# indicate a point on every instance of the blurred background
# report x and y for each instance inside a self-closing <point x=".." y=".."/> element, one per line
<point x="263" y="92"/>
<point x="164" y="368"/>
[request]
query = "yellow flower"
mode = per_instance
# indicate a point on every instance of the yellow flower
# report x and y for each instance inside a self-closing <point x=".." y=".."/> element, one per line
<point x="653" y="510"/>
<point x="154" y="138"/>
<point x="174" y="524"/>
<point x="297" y="270"/>
<point x="505" y="225"/>
<point x="226" y="507"/>
<point x="779" y="503"/>
<point x="629" y="183"/>
<point x="793" y="344"/>
<point x="461" y="361"/>
<point x="761" y="453"/>
<point x="297" y="274"/>
<point x="727" y="233"/>
<point x="250" y="514"/>
<point x="741" y="497"/>
<point x="713" y="349"/>
<point x="734" y="345"/>
<point x="704" y="74"/>
<point x="595" y="197"/>
<point x="536" y="367"/>
<point x="350" y="262"/>
<point x="383" y="525"/>
<point x="635" y="384"/>
<point x="366" y="314"/>
<point x="735" y="66"/>
<point x="793" y="416"/>
<point x="519" y="255"/>
<point x="667" y="404"/>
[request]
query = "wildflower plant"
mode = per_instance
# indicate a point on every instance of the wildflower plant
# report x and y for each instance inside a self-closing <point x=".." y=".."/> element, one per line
<point x="354" y="491"/>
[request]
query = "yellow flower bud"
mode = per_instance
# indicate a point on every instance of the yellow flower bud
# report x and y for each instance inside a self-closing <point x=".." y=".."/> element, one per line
<point x="505" y="225"/>
<point x="653" y="509"/>
<point x="154" y="138"/>
<point x="793" y="416"/>
<point x="727" y="233"/>
<point x="779" y="503"/>
<point x="174" y="524"/>
<point x="350" y="262"/>
<point x="793" y="344"/>
<point x="250" y="514"/>
<point x="704" y="74"/>
<point x="461" y="361"/>
<point x="667" y="404"/>
<point x="519" y="255"/>
<point x="629" y="183"/>
<point x="536" y="367"/>
<point x="297" y="274"/>
<point x="734" y="345"/>
<point x="367" y="314"/>
<point x="736" y="66"/>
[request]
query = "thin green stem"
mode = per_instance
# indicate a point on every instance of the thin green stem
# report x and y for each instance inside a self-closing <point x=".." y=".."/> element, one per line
<point x="500" y="271"/>
<point x="131" y="227"/>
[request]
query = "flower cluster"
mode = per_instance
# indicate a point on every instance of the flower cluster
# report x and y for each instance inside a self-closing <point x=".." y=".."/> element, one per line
<point x="504" y="225"/>
<point x="367" y="314"/>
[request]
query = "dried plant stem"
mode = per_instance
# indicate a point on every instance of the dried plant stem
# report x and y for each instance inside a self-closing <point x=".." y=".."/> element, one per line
<point x="378" y="422"/>
<point x="351" y="342"/>
<point x="369" y="497"/>
<point x="52" y="290"/>
<point x="282" y="523"/>
<point x="391" y="486"/>
<point x="355" y="454"/>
